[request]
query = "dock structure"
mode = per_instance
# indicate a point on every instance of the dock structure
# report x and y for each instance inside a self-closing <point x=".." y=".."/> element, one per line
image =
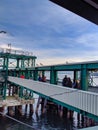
<point x="18" y="72"/>
<point x="80" y="101"/>
<point x="17" y="83"/>
<point x="16" y="60"/>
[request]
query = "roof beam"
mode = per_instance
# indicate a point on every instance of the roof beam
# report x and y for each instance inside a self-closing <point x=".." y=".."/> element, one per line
<point x="83" y="8"/>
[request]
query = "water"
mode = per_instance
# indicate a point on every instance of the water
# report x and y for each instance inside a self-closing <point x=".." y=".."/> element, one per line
<point x="61" y="75"/>
<point x="47" y="121"/>
<point x="39" y="121"/>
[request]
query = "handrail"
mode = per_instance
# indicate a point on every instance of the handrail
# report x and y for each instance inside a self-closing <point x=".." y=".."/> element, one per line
<point x="13" y="51"/>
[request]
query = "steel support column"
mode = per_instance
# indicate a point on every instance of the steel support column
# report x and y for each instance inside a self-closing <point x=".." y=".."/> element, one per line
<point x="84" y="78"/>
<point x="22" y="63"/>
<point x="17" y="63"/>
<point x="75" y="75"/>
<point x="21" y="92"/>
<point x="35" y="74"/>
<point x="53" y="76"/>
<point x="5" y="85"/>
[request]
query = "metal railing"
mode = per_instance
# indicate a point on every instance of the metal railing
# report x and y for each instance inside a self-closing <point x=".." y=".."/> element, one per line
<point x="13" y="51"/>
<point x="83" y="100"/>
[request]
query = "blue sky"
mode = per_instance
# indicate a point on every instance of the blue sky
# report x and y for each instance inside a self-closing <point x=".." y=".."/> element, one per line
<point x="55" y="35"/>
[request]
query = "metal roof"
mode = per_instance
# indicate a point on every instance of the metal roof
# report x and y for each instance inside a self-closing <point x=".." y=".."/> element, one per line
<point x="87" y="9"/>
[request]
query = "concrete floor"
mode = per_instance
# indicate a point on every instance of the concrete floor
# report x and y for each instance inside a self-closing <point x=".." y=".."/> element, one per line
<point x="91" y="128"/>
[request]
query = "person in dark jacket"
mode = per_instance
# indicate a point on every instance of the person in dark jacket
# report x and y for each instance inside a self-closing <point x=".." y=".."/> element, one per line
<point x="64" y="81"/>
<point x="69" y="82"/>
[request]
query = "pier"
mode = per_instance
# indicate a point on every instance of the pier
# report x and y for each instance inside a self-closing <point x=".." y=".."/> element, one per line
<point x="20" y="82"/>
<point x="69" y="106"/>
<point x="77" y="100"/>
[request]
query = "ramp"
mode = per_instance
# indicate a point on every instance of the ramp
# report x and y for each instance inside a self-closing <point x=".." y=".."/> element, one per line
<point x="81" y="101"/>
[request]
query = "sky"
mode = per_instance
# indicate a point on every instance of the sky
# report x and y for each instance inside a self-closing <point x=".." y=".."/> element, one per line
<point x="54" y="34"/>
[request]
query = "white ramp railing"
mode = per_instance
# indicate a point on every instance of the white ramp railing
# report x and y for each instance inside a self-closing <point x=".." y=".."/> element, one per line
<point x="83" y="100"/>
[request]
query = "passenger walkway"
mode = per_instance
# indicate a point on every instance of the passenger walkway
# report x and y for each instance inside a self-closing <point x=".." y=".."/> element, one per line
<point x="80" y="101"/>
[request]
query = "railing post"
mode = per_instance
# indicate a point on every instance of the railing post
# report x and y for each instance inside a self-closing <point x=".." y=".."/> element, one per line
<point x="17" y="63"/>
<point x="4" y="60"/>
<point x="33" y="62"/>
<point x="21" y="92"/>
<point x="84" y="78"/>
<point x="53" y="76"/>
<point x="6" y="76"/>
<point x="43" y="72"/>
<point x="22" y="63"/>
<point x="35" y="74"/>
<point x="26" y="74"/>
<point x="14" y="73"/>
<point x="75" y="74"/>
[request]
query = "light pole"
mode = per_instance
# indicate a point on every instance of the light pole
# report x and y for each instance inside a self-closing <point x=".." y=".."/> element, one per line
<point x="9" y="47"/>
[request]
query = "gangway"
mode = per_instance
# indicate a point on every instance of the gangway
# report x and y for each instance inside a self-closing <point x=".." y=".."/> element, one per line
<point x="80" y="101"/>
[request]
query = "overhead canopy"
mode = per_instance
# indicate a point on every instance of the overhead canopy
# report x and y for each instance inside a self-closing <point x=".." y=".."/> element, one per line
<point x="88" y="9"/>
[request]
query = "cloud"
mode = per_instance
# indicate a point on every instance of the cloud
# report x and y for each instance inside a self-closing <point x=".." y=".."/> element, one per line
<point x="88" y="40"/>
<point x="22" y="17"/>
<point x="54" y="34"/>
<point x="50" y="59"/>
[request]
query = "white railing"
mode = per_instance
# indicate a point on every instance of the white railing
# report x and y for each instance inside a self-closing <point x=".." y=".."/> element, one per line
<point x="83" y="100"/>
<point x="13" y="51"/>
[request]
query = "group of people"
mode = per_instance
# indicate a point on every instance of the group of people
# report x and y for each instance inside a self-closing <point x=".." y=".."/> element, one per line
<point x="65" y="82"/>
<point x="42" y="78"/>
<point x="68" y="83"/>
